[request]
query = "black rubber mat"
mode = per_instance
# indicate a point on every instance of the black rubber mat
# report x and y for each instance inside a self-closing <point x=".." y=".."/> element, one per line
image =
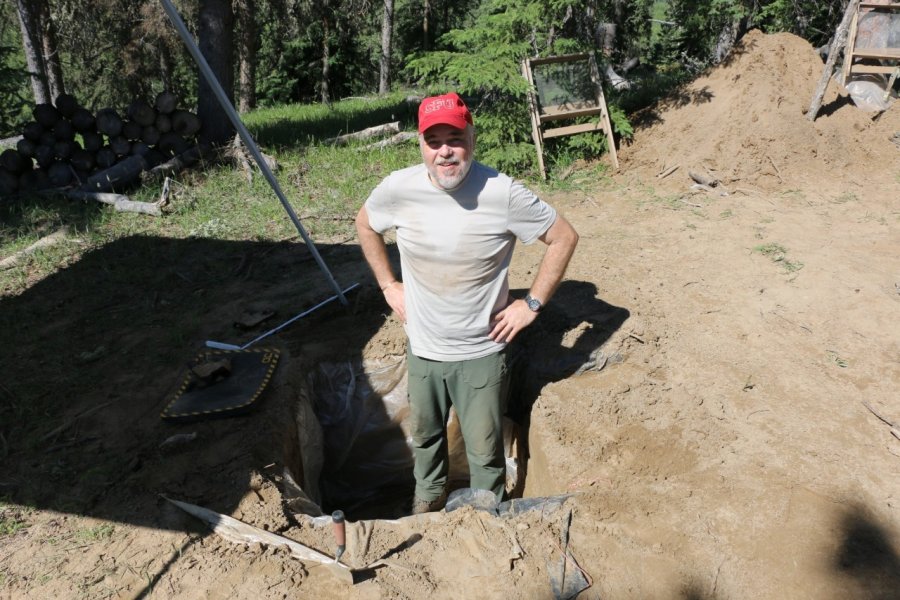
<point x="230" y="389"/>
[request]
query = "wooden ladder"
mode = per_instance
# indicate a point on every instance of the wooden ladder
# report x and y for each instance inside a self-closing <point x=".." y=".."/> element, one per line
<point x="545" y="114"/>
<point x="852" y="52"/>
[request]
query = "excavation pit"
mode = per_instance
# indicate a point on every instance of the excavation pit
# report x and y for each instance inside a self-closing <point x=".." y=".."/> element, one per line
<point x="350" y="446"/>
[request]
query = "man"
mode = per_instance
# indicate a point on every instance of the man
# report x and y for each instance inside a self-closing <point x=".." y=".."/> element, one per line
<point x="457" y="222"/>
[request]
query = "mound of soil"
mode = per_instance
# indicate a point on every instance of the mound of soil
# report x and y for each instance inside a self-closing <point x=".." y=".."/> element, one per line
<point x="744" y="123"/>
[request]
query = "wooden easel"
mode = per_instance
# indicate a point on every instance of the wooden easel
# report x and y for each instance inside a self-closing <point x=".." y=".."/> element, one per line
<point x="851" y="51"/>
<point x="569" y="110"/>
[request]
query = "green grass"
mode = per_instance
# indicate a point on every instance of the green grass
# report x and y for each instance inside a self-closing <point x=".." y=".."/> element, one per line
<point x="772" y="250"/>
<point x="836" y="359"/>
<point x="94" y="534"/>
<point x="844" y="198"/>
<point x="325" y="185"/>
<point x="576" y="177"/>
<point x="293" y="124"/>
<point x="778" y="254"/>
<point x="11" y="519"/>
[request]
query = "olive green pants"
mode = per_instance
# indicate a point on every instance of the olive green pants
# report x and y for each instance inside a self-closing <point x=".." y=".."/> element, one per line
<point x="477" y="389"/>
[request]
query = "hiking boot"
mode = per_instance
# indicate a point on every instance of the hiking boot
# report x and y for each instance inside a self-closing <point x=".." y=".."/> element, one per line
<point x="420" y="506"/>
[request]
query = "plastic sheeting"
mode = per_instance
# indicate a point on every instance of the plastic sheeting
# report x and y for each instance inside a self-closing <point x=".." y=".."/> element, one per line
<point x="367" y="463"/>
<point x="878" y="28"/>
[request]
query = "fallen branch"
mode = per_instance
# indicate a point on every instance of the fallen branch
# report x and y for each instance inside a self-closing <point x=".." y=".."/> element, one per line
<point x="774" y="166"/>
<point x="683" y="201"/>
<point x="399" y="138"/>
<point x="120" y="202"/>
<point x="54" y="238"/>
<point x="667" y="172"/>
<point x="880" y="416"/>
<point x="240" y="157"/>
<point x="175" y="164"/>
<point x="239" y="154"/>
<point x="365" y="134"/>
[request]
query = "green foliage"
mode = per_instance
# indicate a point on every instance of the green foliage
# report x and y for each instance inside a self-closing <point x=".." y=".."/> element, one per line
<point x="815" y="21"/>
<point x="692" y="40"/>
<point x="13" y="104"/>
<point x="482" y="62"/>
<point x="298" y="54"/>
<point x="14" y="81"/>
<point x="294" y="125"/>
<point x="698" y="25"/>
<point x="620" y="122"/>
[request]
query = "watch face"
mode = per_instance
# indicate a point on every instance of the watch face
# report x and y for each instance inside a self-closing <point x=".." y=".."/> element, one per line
<point x="533" y="303"/>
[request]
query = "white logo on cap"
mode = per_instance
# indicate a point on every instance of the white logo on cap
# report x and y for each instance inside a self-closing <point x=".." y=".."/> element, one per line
<point x="439" y="104"/>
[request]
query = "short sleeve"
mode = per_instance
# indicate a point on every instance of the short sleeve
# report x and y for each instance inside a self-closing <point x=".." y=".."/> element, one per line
<point x="529" y="216"/>
<point x="379" y="207"/>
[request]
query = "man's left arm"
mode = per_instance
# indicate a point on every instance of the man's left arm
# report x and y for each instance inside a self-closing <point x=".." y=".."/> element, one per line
<point x="561" y="240"/>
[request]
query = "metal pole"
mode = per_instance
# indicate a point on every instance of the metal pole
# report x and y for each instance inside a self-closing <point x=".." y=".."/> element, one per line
<point x="223" y="346"/>
<point x="247" y="139"/>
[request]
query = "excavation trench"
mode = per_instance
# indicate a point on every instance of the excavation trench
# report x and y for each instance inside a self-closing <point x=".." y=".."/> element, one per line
<point x="349" y="445"/>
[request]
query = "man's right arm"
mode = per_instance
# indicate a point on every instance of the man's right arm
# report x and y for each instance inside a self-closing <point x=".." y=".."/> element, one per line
<point x="375" y="251"/>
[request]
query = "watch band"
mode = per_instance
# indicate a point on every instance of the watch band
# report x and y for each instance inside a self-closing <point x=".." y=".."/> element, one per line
<point x="533" y="303"/>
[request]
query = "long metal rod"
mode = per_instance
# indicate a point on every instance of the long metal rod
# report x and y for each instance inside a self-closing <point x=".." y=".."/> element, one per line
<point x="223" y="346"/>
<point x="247" y="139"/>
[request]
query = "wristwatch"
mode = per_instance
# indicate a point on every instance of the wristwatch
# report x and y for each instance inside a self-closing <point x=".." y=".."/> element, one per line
<point x="533" y="303"/>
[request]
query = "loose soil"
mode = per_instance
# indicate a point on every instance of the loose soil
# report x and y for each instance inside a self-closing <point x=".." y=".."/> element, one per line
<point x="713" y="385"/>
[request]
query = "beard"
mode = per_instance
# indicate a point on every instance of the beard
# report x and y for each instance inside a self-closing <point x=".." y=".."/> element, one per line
<point x="447" y="181"/>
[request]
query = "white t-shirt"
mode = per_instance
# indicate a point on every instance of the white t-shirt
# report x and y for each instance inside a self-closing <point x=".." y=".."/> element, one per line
<point x="455" y="250"/>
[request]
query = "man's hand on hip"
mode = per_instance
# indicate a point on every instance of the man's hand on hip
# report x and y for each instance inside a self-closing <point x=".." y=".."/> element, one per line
<point x="511" y="320"/>
<point x="396" y="298"/>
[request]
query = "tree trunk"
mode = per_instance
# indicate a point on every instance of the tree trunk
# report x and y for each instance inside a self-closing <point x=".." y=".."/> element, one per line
<point x="217" y="45"/>
<point x="51" y="51"/>
<point x="326" y="59"/>
<point x="387" y="34"/>
<point x="31" y="45"/>
<point x="247" y="48"/>
<point x="427" y="12"/>
<point x="729" y="34"/>
<point x="607" y="35"/>
<point x="166" y="67"/>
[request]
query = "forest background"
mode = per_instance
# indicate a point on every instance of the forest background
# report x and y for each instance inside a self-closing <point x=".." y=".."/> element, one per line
<point x="276" y="52"/>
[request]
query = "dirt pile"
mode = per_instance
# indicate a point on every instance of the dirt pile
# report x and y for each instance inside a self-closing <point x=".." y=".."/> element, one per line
<point x="744" y="123"/>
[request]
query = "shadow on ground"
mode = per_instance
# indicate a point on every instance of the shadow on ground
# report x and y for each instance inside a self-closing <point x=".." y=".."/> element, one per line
<point x="866" y="559"/>
<point x="92" y="354"/>
<point x="565" y="340"/>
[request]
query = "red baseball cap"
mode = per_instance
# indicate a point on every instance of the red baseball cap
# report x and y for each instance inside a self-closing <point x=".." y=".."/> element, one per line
<point x="448" y="109"/>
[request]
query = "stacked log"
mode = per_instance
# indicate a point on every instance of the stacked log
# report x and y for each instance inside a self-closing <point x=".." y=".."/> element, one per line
<point x="67" y="145"/>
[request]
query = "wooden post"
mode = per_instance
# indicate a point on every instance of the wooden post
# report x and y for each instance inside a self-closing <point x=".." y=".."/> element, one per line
<point x="836" y="44"/>
<point x="535" y="121"/>
<point x="604" y="116"/>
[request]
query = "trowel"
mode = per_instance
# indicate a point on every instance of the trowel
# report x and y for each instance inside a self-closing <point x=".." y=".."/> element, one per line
<point x="337" y="568"/>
